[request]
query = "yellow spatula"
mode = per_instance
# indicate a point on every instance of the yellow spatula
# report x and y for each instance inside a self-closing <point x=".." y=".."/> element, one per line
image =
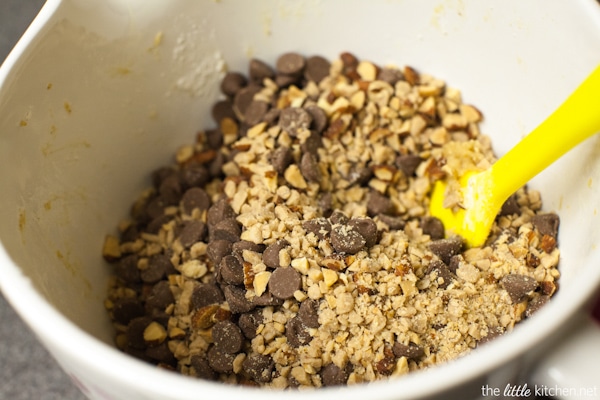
<point x="484" y="192"/>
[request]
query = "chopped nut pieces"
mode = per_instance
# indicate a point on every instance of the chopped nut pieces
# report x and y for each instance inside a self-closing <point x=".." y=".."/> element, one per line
<point x="290" y="246"/>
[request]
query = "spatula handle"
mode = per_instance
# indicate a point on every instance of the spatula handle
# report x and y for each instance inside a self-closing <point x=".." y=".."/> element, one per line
<point x="574" y="121"/>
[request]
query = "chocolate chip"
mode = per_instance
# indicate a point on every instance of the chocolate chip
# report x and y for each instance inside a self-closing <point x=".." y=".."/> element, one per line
<point x="239" y="247"/>
<point x="219" y="211"/>
<point x="242" y="100"/>
<point x="546" y="224"/>
<point x="259" y="70"/>
<point x="202" y="368"/>
<point x="160" y="296"/>
<point x="510" y="206"/>
<point x="126" y="309"/>
<point x="232" y="83"/>
<point x="338" y="217"/>
<point x="284" y="281"/>
<point x="325" y="203"/>
<point x="270" y="256"/>
<point x="205" y="294"/>
<point x="317" y="68"/>
<point x="408" y="163"/>
<point x="442" y="271"/>
<point x="367" y="228"/>
<point x="222" y="109"/>
<point x="132" y="233"/>
<point x="455" y="262"/>
<point x="214" y="137"/>
<point x="194" y="176"/>
<point x="127" y="270"/>
<point x="293" y="120"/>
<point x="394" y="223"/>
<point x="236" y="298"/>
<point x="346" y="239"/>
<point x="220" y="361"/>
<point x="193" y="232"/>
<point x="433" y="227"/>
<point x="170" y="189"/>
<point x="217" y="249"/>
<point x="266" y="300"/>
<point x="156" y="207"/>
<point x="281" y="158"/>
<point x="255" y="112"/>
<point x="283" y="81"/>
<point x="518" y="286"/>
<point x="309" y="167"/>
<point x="377" y="203"/>
<point x="259" y="367"/>
<point x="249" y="323"/>
<point x="160" y="174"/>
<point x="272" y="116"/>
<point x="290" y="64"/>
<point x="535" y="304"/>
<point x="410" y="351"/>
<point x="320" y="227"/>
<point x="493" y="333"/>
<point x="312" y="144"/>
<point x="319" y="118"/>
<point x="195" y="198"/>
<point x="231" y="270"/>
<point x="226" y="229"/>
<point x="215" y="167"/>
<point x="135" y="332"/>
<point x="227" y="336"/>
<point x="297" y="333"/>
<point x="390" y="75"/>
<point x="162" y="355"/>
<point x="156" y="224"/>
<point x="332" y="375"/>
<point x="308" y="313"/>
<point x="158" y="266"/>
<point x="360" y="175"/>
<point x="446" y="248"/>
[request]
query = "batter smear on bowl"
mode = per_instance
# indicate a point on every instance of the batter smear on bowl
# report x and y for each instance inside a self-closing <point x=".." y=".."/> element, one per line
<point x="291" y="246"/>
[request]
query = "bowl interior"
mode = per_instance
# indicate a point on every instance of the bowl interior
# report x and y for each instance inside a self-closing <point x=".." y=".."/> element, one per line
<point x="108" y="90"/>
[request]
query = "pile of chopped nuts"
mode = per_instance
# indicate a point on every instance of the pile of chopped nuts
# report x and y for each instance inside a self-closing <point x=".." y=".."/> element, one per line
<point x="291" y="246"/>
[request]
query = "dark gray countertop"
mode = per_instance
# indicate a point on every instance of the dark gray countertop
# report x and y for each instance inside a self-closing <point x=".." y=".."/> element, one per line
<point x="27" y="371"/>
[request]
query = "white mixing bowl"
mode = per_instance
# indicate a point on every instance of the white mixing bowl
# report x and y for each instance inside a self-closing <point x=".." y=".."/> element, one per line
<point x="98" y="93"/>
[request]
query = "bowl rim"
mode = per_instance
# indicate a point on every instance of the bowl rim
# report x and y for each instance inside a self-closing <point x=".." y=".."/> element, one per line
<point x="51" y="327"/>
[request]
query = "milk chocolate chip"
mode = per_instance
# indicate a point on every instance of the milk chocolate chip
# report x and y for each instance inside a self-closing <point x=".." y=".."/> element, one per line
<point x="232" y="83"/>
<point x="518" y="286"/>
<point x="259" y="367"/>
<point x="367" y="228"/>
<point x="546" y="224"/>
<point x="332" y="375"/>
<point x="446" y="248"/>
<point x="297" y="333"/>
<point x="320" y="227"/>
<point x="205" y="294"/>
<point x="411" y="350"/>
<point x="271" y="254"/>
<point x="290" y="64"/>
<point x="284" y="281"/>
<point x="227" y="337"/>
<point x="293" y="120"/>
<point x="346" y="239"/>
<point x="195" y="198"/>
<point x="317" y="68"/>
